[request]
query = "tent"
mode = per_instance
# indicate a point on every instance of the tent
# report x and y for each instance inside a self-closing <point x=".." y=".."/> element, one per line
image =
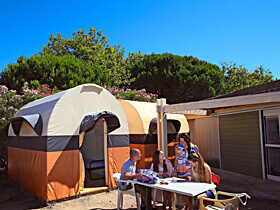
<point x="142" y="122"/>
<point x="53" y="141"/>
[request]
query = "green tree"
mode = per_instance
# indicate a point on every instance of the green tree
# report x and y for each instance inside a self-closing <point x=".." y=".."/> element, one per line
<point x="238" y="77"/>
<point x="60" y="72"/>
<point x="94" y="47"/>
<point x="177" y="78"/>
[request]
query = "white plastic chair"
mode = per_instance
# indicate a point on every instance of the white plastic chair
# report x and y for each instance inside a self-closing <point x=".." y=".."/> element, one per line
<point x="155" y="197"/>
<point x="117" y="177"/>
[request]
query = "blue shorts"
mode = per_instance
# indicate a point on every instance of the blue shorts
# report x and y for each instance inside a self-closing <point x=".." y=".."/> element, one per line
<point x="210" y="194"/>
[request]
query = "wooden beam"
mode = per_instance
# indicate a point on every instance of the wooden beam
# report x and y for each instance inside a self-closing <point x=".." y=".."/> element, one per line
<point x="190" y="117"/>
<point x="240" y="108"/>
<point x="224" y="102"/>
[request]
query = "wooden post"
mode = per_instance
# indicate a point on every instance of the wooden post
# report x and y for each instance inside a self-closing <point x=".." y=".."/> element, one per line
<point x="162" y="126"/>
<point x="158" y="109"/>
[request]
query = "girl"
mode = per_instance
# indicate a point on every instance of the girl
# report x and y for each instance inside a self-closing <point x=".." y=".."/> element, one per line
<point x="182" y="151"/>
<point x="200" y="172"/>
<point x="164" y="169"/>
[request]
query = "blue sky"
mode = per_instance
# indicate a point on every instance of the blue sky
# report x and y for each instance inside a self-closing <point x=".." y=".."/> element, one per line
<point x="243" y="31"/>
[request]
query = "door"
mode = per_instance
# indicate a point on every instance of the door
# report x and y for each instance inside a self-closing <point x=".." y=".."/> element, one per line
<point x="272" y="143"/>
<point x="94" y="152"/>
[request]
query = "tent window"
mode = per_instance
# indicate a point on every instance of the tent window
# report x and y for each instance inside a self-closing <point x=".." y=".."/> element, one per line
<point x="34" y="120"/>
<point x="17" y="126"/>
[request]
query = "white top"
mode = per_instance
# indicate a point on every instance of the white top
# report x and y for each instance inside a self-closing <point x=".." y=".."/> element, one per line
<point x="195" y="175"/>
<point x="169" y="168"/>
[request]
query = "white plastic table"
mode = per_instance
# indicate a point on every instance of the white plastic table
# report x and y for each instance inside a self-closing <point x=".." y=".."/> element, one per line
<point x="192" y="189"/>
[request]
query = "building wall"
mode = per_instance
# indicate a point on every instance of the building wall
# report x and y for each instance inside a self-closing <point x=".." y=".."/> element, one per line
<point x="204" y="133"/>
<point x="240" y="143"/>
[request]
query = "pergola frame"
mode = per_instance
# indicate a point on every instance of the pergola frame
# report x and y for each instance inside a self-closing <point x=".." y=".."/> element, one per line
<point x="206" y="108"/>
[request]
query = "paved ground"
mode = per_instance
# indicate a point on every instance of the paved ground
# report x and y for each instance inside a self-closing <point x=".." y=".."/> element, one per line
<point x="265" y="195"/>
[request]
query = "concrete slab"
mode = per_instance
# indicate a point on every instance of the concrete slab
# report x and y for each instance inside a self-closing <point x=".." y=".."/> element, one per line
<point x="265" y="194"/>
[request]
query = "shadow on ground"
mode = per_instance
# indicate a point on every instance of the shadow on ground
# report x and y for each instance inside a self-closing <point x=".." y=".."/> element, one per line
<point x="15" y="197"/>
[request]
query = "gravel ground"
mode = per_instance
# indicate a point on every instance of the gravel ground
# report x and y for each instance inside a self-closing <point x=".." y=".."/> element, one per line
<point x="105" y="200"/>
<point x="265" y="195"/>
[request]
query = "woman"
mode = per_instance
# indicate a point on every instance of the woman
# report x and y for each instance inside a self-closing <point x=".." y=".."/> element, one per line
<point x="164" y="169"/>
<point x="200" y="172"/>
<point x="182" y="151"/>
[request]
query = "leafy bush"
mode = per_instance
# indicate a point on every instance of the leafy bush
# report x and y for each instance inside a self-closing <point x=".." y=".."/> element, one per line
<point x="10" y="103"/>
<point x="134" y="95"/>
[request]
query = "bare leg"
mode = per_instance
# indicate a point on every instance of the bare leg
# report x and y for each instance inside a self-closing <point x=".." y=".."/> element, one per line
<point x="143" y="200"/>
<point x="169" y="200"/>
<point x="203" y="195"/>
<point x="187" y="202"/>
<point x="165" y="197"/>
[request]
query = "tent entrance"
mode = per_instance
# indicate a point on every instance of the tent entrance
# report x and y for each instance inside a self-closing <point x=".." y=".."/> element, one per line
<point x="94" y="154"/>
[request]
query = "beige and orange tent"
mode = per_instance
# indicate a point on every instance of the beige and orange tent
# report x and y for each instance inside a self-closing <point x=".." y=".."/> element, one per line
<point x="142" y="122"/>
<point x="52" y="140"/>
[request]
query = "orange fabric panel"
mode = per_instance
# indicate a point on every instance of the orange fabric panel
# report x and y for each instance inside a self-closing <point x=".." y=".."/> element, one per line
<point x="171" y="151"/>
<point x="28" y="168"/>
<point x="150" y="149"/>
<point x="116" y="158"/>
<point x="63" y="170"/>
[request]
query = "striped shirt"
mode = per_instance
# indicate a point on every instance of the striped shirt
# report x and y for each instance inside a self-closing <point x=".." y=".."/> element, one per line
<point x="183" y="164"/>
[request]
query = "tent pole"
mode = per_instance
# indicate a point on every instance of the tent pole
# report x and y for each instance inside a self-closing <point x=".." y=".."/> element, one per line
<point x="105" y="151"/>
<point x="82" y="165"/>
